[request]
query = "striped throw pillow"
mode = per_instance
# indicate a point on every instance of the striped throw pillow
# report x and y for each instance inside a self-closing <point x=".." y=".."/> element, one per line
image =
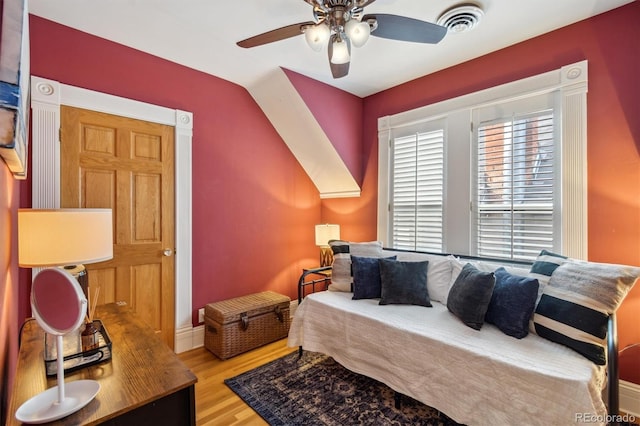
<point x="577" y="302"/>
<point x="341" y="275"/>
<point x="542" y="269"/>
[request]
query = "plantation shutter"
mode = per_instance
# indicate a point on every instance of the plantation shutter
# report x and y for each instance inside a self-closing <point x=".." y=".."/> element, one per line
<point x="417" y="186"/>
<point x="515" y="185"/>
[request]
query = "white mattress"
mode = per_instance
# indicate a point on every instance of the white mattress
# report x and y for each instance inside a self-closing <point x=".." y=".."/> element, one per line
<point x="475" y="377"/>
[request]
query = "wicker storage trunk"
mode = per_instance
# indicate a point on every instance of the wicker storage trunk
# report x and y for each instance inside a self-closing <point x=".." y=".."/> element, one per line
<point x="238" y="325"/>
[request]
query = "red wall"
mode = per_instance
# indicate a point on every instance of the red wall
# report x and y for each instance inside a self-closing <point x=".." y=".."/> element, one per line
<point x="9" y="198"/>
<point x="609" y="43"/>
<point x="254" y="208"/>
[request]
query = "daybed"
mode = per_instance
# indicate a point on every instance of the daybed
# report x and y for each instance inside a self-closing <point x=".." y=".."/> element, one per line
<point x="477" y="375"/>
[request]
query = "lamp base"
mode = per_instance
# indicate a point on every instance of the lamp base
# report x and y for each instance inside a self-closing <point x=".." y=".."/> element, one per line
<point x="326" y="256"/>
<point x="45" y="407"/>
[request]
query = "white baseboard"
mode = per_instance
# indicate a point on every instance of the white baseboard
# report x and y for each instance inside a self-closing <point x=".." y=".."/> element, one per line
<point x="188" y="338"/>
<point x="630" y="398"/>
<point x="198" y="336"/>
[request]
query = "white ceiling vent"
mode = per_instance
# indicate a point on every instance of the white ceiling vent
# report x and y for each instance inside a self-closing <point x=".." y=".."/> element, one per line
<point x="461" y="18"/>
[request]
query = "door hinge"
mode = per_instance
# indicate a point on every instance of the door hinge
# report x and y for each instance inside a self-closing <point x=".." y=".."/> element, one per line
<point x="60" y="135"/>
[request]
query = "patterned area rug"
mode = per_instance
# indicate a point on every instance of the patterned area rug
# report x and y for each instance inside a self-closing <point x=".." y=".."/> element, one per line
<point x="316" y="390"/>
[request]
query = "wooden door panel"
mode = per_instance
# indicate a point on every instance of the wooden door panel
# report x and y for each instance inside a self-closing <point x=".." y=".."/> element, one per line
<point x="126" y="165"/>
<point x="146" y="198"/>
<point x="99" y="188"/>
<point x="97" y="139"/>
<point x="147" y="147"/>
<point x="145" y="288"/>
<point x="103" y="278"/>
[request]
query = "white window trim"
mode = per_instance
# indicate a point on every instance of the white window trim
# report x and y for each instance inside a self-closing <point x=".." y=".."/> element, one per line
<point x="571" y="80"/>
<point x="46" y="98"/>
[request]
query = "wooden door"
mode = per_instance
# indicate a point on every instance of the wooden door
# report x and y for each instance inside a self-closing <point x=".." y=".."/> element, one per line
<point x="127" y="165"/>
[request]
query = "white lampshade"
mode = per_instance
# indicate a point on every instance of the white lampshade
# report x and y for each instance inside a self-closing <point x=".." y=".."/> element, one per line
<point x="64" y="236"/>
<point x="317" y="36"/>
<point x="340" y="52"/>
<point x="326" y="233"/>
<point x="358" y="32"/>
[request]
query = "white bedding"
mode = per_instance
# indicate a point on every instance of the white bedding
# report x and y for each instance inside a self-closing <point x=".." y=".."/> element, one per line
<point x="475" y="377"/>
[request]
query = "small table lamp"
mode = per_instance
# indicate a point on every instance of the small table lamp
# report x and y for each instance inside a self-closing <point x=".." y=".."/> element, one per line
<point x="60" y="238"/>
<point x="325" y="233"/>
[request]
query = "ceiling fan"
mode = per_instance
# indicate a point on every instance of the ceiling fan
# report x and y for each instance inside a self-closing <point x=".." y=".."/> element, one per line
<point x="342" y="23"/>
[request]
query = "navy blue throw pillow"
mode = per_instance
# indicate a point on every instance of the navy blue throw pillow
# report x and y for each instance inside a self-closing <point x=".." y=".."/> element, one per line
<point x="512" y="303"/>
<point x="366" y="277"/>
<point x="404" y="283"/>
<point x="470" y="295"/>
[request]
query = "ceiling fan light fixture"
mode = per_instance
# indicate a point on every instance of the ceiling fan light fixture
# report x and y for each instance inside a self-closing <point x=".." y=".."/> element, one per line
<point x="340" y="53"/>
<point x="358" y="32"/>
<point x="339" y="23"/>
<point x="317" y="36"/>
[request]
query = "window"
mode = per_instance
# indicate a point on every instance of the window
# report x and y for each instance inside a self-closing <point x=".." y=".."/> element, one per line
<point x="417" y="191"/>
<point x="515" y="186"/>
<point x="499" y="173"/>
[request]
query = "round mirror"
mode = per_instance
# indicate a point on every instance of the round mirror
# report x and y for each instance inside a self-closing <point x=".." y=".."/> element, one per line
<point x="57" y="301"/>
<point x="59" y="305"/>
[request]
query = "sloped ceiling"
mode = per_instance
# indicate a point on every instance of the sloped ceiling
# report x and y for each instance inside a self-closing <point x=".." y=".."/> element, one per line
<point x="296" y="124"/>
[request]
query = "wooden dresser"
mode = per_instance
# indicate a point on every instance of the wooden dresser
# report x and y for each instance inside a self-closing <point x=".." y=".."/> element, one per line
<point x="144" y="382"/>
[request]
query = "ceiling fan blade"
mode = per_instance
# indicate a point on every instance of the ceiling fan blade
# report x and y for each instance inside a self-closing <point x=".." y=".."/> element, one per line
<point x="363" y="3"/>
<point x="396" y="27"/>
<point x="274" y="35"/>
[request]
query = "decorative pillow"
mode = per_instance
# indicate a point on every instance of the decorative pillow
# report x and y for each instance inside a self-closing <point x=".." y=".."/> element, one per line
<point x="366" y="277"/>
<point x="404" y="283"/>
<point x="542" y="269"/>
<point x="576" y="304"/>
<point x="512" y="303"/>
<point x="438" y="278"/>
<point x="470" y="295"/>
<point x="456" y="268"/>
<point x="512" y="268"/>
<point x="438" y="273"/>
<point x="341" y="278"/>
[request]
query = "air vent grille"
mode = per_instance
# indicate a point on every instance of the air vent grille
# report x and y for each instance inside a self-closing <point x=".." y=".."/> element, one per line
<point x="461" y="18"/>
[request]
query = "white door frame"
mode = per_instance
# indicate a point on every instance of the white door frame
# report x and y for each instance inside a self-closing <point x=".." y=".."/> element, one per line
<point x="46" y="98"/>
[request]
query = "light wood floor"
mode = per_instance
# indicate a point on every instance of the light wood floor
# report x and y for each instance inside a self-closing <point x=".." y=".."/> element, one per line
<point x="216" y="404"/>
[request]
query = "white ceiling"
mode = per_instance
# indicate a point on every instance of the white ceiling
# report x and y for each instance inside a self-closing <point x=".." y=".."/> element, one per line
<point x="202" y="34"/>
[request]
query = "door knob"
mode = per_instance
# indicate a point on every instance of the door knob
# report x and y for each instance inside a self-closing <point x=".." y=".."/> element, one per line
<point x="167" y="252"/>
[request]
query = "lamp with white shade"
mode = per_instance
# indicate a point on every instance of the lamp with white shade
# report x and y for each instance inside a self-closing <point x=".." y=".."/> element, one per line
<point x="61" y="237"/>
<point x="324" y="234"/>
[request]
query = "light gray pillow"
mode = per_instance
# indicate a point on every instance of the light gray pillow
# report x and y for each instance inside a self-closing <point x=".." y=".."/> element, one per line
<point x="341" y="276"/>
